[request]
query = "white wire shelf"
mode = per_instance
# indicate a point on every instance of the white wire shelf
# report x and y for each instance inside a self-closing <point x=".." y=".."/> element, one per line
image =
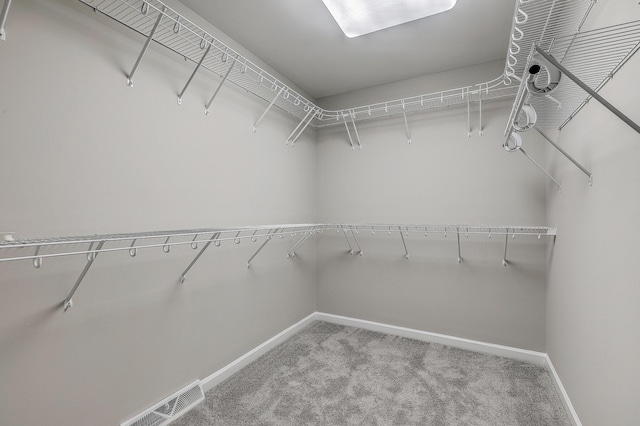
<point x="200" y="239"/>
<point x="594" y="57"/>
<point x="196" y="45"/>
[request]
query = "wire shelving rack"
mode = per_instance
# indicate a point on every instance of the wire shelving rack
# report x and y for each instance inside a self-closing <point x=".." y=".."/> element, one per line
<point x="37" y="250"/>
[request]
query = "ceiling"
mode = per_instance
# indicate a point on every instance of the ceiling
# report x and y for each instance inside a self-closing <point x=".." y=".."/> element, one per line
<point x="302" y="41"/>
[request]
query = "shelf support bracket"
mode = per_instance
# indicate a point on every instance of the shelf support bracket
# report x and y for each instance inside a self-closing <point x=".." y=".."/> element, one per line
<point x="193" y="74"/>
<point x="563" y="152"/>
<point x="255" y="126"/>
<point x="357" y="243"/>
<point x="292" y="253"/>
<point x="459" y="255"/>
<point x="587" y="89"/>
<point x="506" y="241"/>
<point x="404" y="243"/>
<point x="313" y="115"/>
<point x="540" y="167"/>
<point x="145" y="47"/>
<point x="481" y="130"/>
<point x="3" y="19"/>
<point x="269" y="237"/>
<point x="344" y="232"/>
<point x="299" y="124"/>
<point x="183" y="276"/>
<point x="206" y="107"/>
<point x="468" y="113"/>
<point x="346" y="126"/>
<point x="355" y="129"/>
<point x="406" y="126"/>
<point x="91" y="257"/>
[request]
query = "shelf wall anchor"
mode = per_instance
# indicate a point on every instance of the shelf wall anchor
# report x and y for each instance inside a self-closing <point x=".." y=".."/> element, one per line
<point x="146" y="46"/>
<point x="206" y="107"/>
<point x="183" y="276"/>
<point x="261" y="246"/>
<point x="68" y="302"/>
<point x="255" y="126"/>
<point x="3" y="18"/>
<point x="193" y="74"/>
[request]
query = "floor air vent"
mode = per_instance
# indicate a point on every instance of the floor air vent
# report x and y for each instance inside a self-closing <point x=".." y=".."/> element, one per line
<point x="169" y="408"/>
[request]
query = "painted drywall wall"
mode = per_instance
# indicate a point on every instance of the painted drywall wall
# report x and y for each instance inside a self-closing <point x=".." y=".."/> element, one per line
<point x="593" y="290"/>
<point x="442" y="177"/>
<point x="82" y="153"/>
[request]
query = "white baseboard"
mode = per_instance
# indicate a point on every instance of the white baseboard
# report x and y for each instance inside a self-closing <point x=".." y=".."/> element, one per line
<point x="246" y="359"/>
<point x="564" y="396"/>
<point x="538" y="358"/>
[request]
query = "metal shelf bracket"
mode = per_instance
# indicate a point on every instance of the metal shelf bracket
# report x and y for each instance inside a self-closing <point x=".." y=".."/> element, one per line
<point x="91" y="257"/>
<point x="146" y="45"/>
<point x="3" y="18"/>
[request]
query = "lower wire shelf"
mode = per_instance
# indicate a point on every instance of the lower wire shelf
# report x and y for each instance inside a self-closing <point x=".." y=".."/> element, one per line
<point x="201" y="239"/>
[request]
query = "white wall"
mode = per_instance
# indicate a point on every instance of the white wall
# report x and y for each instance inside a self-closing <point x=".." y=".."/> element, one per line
<point x="443" y="177"/>
<point x="593" y="293"/>
<point x="81" y="154"/>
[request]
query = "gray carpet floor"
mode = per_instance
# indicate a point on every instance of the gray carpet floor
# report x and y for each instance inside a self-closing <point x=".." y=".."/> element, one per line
<point x="334" y="375"/>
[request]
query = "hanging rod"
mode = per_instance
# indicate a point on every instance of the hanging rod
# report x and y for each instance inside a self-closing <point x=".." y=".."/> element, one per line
<point x="190" y="41"/>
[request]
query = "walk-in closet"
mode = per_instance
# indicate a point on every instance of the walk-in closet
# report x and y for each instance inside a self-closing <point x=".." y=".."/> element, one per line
<point x="319" y="212"/>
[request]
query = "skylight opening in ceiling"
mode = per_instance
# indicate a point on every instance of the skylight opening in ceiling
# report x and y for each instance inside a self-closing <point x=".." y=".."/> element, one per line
<point x="359" y="17"/>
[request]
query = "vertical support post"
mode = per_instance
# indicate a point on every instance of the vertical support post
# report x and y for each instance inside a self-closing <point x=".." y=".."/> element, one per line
<point x="183" y="276"/>
<point x="587" y="89"/>
<point x="193" y="74"/>
<point x="355" y="129"/>
<point x="458" y="234"/>
<point x="404" y="243"/>
<point x="255" y="126"/>
<point x="506" y="241"/>
<point x="68" y="302"/>
<point x="206" y="107"/>
<point x="406" y="126"/>
<point x="261" y="246"/>
<point x="299" y="124"/>
<point x="563" y="152"/>
<point x="346" y="126"/>
<point x="145" y="47"/>
<point x="3" y="18"/>
<point x="541" y="168"/>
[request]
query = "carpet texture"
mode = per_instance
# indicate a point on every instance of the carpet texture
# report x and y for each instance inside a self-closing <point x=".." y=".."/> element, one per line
<point x="334" y="375"/>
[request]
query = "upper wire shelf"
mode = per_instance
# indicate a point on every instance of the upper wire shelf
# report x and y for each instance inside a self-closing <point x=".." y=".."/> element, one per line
<point x="190" y="41"/>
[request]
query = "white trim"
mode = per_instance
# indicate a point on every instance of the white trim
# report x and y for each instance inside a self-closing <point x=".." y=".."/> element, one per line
<point x="246" y="359"/>
<point x="564" y="396"/>
<point x="538" y="358"/>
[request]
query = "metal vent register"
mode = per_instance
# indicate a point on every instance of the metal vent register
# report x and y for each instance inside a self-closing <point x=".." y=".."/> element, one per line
<point x="169" y="408"/>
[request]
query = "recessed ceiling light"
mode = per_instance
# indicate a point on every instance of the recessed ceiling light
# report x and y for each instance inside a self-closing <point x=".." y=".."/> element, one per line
<point x="358" y="17"/>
